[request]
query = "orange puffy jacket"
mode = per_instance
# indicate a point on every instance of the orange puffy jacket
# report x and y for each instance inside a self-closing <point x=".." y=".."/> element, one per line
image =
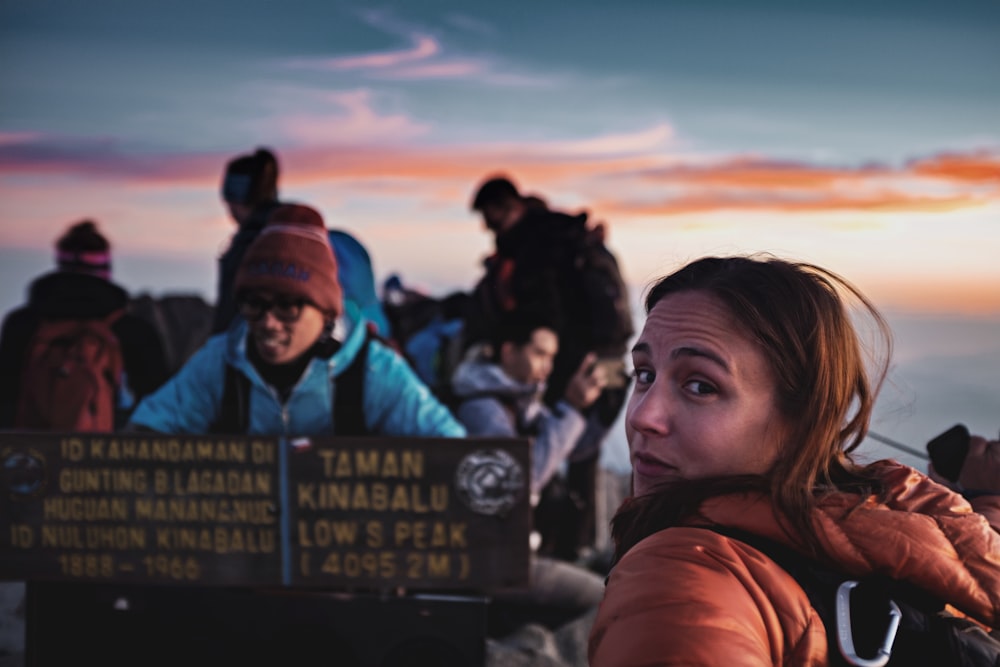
<point x="689" y="596"/>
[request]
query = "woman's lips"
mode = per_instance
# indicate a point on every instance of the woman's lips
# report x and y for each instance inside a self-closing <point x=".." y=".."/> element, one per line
<point x="652" y="469"/>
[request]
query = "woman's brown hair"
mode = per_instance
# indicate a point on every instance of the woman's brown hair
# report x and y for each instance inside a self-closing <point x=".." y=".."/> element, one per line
<point x="797" y="314"/>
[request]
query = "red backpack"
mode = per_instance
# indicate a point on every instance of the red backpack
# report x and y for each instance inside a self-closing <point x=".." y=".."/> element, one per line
<point x="71" y="376"/>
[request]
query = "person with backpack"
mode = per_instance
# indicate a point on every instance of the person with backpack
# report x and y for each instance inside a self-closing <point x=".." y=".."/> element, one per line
<point x="751" y="392"/>
<point x="300" y="361"/>
<point x="250" y="192"/>
<point x="73" y="358"/>
<point x="556" y="263"/>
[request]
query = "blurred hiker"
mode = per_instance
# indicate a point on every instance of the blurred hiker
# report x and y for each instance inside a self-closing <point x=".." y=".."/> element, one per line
<point x="250" y="193"/>
<point x="73" y="358"/>
<point x="552" y="262"/>
<point x="301" y="360"/>
<point x="498" y="392"/>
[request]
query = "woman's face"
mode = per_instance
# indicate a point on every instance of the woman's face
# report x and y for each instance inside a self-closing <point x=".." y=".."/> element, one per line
<point x="705" y="400"/>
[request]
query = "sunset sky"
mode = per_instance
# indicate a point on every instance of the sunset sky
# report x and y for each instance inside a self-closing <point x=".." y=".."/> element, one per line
<point x="861" y="136"/>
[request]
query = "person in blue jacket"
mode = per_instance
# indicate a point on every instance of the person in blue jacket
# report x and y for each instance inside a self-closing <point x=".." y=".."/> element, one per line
<point x="301" y="361"/>
<point x="498" y="388"/>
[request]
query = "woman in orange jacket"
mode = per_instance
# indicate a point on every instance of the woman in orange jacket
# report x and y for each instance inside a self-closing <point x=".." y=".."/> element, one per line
<point x="751" y="391"/>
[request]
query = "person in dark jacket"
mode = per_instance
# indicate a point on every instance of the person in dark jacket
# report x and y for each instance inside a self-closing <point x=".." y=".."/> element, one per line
<point x="250" y="192"/>
<point x="81" y="288"/>
<point x="539" y="264"/>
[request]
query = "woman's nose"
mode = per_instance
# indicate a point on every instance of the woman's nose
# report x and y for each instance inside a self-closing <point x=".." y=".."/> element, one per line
<point x="648" y="411"/>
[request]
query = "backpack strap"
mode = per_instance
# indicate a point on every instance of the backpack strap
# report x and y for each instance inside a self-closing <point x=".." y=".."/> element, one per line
<point x="348" y="394"/>
<point x="234" y="409"/>
<point x="872" y="615"/>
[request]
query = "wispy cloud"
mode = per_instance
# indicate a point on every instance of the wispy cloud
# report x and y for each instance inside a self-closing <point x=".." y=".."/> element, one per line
<point x="422" y="60"/>
<point x="423" y="48"/>
<point x="346" y="118"/>
<point x="421" y="56"/>
<point x="643" y="141"/>
<point x="631" y="175"/>
<point x="102" y="157"/>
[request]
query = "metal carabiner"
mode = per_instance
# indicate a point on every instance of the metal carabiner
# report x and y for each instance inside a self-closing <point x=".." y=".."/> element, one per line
<point x="845" y="636"/>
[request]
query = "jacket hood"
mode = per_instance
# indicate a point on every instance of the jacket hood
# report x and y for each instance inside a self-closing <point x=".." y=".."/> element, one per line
<point x="924" y="534"/>
<point x="476" y="377"/>
<point x="64" y="294"/>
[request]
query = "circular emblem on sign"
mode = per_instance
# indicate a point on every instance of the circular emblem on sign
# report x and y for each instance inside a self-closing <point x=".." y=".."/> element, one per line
<point x="489" y="481"/>
<point x="23" y="473"/>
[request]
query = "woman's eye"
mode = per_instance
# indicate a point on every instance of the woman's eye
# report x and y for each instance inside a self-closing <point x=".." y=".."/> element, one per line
<point x="700" y="388"/>
<point x="643" y="376"/>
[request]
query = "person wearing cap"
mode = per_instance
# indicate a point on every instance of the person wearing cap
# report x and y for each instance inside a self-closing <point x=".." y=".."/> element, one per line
<point x="81" y="289"/>
<point x="295" y="347"/>
<point x="250" y="192"/>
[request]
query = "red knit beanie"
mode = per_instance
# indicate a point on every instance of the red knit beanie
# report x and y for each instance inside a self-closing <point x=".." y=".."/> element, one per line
<point x="292" y="255"/>
<point x="83" y="249"/>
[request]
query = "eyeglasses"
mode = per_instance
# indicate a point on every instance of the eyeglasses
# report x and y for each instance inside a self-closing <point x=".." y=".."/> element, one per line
<point x="253" y="308"/>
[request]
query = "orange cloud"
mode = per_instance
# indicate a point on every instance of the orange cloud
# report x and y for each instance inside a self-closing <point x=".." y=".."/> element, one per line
<point x="621" y="175"/>
<point x="889" y="201"/>
<point x="976" y="167"/>
<point x="765" y="174"/>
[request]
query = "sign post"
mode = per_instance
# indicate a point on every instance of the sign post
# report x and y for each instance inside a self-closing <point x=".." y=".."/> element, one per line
<point x="202" y="550"/>
<point x="332" y="513"/>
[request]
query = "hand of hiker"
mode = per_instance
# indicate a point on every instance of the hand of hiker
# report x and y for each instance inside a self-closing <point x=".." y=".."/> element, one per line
<point x="587" y="383"/>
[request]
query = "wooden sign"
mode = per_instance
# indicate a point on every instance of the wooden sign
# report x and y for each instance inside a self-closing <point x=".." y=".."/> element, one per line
<point x="351" y="513"/>
<point x="414" y="513"/>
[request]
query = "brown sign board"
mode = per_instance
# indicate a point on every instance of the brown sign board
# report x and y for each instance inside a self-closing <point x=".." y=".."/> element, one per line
<point x="321" y="512"/>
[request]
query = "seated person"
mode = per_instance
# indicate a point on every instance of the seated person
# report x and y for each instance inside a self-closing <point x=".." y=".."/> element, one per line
<point x="81" y="290"/>
<point x="301" y="361"/>
<point x="499" y="390"/>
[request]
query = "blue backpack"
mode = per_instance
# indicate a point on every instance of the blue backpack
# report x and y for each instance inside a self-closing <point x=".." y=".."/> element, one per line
<point x="429" y="332"/>
<point x="357" y="279"/>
